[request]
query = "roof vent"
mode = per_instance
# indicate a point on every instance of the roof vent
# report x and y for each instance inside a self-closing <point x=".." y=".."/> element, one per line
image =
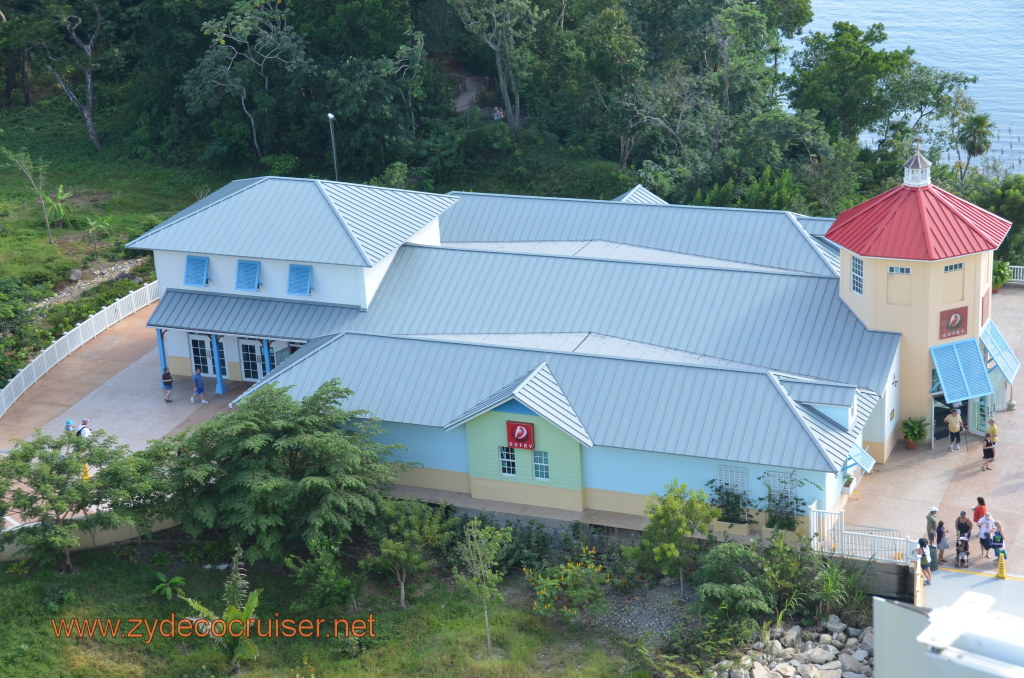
<point x="917" y="171"/>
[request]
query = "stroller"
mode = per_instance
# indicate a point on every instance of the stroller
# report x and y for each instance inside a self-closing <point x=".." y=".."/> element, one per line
<point x="963" y="551"/>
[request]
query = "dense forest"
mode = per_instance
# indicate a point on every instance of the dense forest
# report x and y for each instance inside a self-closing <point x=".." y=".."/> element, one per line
<point x="704" y="101"/>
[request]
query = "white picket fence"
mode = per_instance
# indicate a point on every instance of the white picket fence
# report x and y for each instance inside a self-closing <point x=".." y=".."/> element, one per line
<point x="83" y="332"/>
<point x="829" y="534"/>
<point x="1017" y="274"/>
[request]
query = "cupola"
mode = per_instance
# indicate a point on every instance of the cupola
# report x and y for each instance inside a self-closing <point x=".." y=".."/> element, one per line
<point x="917" y="172"/>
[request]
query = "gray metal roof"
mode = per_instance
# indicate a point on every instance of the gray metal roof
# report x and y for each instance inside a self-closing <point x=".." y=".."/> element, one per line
<point x="539" y="391"/>
<point x="815" y="225"/>
<point x="829" y="250"/>
<point x="763" y="237"/>
<point x="247" y="316"/>
<point x="820" y="393"/>
<point x="305" y="220"/>
<point x="640" y="194"/>
<point x="629" y="404"/>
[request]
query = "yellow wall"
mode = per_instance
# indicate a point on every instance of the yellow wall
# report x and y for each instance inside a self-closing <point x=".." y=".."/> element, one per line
<point x="180" y="366"/>
<point x="616" y="502"/>
<point x="433" y="479"/>
<point x="929" y="287"/>
<point x="523" y="493"/>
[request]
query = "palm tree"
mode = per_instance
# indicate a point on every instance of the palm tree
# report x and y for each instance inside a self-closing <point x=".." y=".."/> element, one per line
<point x="975" y="137"/>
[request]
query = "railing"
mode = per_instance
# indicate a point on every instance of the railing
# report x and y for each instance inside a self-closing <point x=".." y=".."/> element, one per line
<point x="829" y="534"/>
<point x="82" y="332"/>
<point x="1018" y="274"/>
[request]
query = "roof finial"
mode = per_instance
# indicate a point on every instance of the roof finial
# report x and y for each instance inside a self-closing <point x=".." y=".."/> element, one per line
<point x="917" y="172"/>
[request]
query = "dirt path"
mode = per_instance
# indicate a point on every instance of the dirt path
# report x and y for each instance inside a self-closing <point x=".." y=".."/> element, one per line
<point x="467" y="100"/>
<point x="100" y="272"/>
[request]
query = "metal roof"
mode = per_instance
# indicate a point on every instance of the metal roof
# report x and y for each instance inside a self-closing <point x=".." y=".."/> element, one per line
<point x="829" y="250"/>
<point x="815" y="225"/>
<point x="762" y="237"/>
<point x="538" y="390"/>
<point x="629" y="404"/>
<point x="304" y="220"/>
<point x="922" y="223"/>
<point x="820" y="393"/>
<point x="1000" y="351"/>
<point x="791" y="323"/>
<point x="639" y="194"/>
<point x="247" y="316"/>
<point x="961" y="370"/>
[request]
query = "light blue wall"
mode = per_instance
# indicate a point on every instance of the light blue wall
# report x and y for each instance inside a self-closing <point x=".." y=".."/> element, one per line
<point x="514" y="407"/>
<point x="431" y="447"/>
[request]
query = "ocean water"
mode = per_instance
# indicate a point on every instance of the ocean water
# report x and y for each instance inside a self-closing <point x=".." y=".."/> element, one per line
<point x="984" y="39"/>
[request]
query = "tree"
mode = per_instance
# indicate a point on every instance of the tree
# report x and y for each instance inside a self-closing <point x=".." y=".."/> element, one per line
<point x="506" y="27"/>
<point x="35" y="172"/>
<point x="478" y="553"/>
<point x="675" y="517"/>
<point x="42" y="481"/>
<point x="842" y="77"/>
<point x="277" y="473"/>
<point x="84" y="39"/>
<point x="412" y="529"/>
<point x="975" y="137"/>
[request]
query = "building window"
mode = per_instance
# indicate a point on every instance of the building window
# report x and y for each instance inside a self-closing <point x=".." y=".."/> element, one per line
<point x="949" y="268"/>
<point x="733" y="478"/>
<point x="541" y="468"/>
<point x="300" y="279"/>
<point x="899" y="270"/>
<point x="779" y="484"/>
<point x="196" y="269"/>
<point x="248" y="276"/>
<point x="508" y="461"/>
<point x="857" y="277"/>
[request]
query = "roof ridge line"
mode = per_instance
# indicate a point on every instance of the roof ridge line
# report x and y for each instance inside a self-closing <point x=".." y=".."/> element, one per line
<point x="344" y="223"/>
<point x="803" y="422"/>
<point x="794" y="223"/>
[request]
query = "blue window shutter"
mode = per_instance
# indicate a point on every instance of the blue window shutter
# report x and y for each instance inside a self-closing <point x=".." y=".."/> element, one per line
<point x="299" y="279"/>
<point x="248" y="277"/>
<point x="195" y="271"/>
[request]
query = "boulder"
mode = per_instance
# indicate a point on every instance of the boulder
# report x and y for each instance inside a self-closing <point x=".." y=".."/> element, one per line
<point x="830" y="666"/>
<point x="825" y="639"/>
<point x="851" y="644"/>
<point x="860" y="655"/>
<point x="852" y="632"/>
<point x="819" y="655"/>
<point x="775" y="647"/>
<point x="850" y="664"/>
<point x="785" y="670"/>
<point x="835" y="624"/>
<point x="867" y="639"/>
<point x="738" y="673"/>
<point x="759" y="671"/>
<point x="137" y="280"/>
<point x="75" y="275"/>
<point x="851" y="674"/>
<point x="790" y="637"/>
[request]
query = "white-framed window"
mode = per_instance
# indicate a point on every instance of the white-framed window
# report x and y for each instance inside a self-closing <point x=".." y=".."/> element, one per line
<point x="899" y="270"/>
<point x="949" y="268"/>
<point x="508" y="461"/>
<point x="541" y="465"/>
<point x="733" y="478"/>
<point x="857" y="275"/>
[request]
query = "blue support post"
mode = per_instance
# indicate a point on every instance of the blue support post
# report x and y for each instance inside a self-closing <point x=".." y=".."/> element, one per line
<point x="160" y="348"/>
<point x="266" y="357"/>
<point x="216" y="366"/>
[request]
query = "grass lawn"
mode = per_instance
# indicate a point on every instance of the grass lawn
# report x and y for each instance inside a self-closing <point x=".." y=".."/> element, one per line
<point x="440" y="634"/>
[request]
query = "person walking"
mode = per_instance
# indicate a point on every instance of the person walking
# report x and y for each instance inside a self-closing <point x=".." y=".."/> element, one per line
<point x="993" y="430"/>
<point x="922" y="552"/>
<point x="988" y="453"/>
<point x="198" y="389"/>
<point x="985" y="526"/>
<point x="69" y="425"/>
<point x="955" y="423"/>
<point x="998" y="541"/>
<point x="980" y="509"/>
<point x="932" y="522"/>
<point x="963" y="526"/>
<point x="942" y="541"/>
<point x="167" y="381"/>
<point x="84" y="429"/>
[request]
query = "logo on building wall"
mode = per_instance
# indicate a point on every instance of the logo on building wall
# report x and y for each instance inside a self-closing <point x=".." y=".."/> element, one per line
<point x="519" y="435"/>
<point x="953" y="323"/>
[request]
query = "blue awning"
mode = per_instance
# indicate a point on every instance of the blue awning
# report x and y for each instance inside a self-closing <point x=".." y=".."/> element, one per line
<point x="1000" y="351"/>
<point x="961" y="370"/>
<point x="859" y="457"/>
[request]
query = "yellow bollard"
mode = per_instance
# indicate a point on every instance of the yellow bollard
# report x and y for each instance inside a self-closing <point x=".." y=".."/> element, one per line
<point x="1001" y="570"/>
<point x="85" y="471"/>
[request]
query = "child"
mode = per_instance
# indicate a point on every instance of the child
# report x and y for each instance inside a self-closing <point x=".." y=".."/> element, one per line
<point x="922" y="550"/>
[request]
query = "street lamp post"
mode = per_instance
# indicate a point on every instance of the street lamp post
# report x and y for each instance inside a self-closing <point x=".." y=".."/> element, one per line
<point x="334" y="149"/>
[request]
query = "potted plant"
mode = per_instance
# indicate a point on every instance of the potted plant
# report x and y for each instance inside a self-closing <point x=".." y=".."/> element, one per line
<point x="1001" y="274"/>
<point x="915" y="429"/>
<point x="847" y="483"/>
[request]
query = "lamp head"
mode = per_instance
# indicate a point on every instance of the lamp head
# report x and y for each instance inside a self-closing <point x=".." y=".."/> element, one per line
<point x="330" y="116"/>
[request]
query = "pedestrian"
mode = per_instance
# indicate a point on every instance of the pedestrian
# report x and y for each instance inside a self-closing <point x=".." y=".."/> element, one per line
<point x="985" y="526"/>
<point x="167" y="381"/>
<point x="998" y="542"/>
<point x="988" y="453"/>
<point x="197" y="387"/>
<point x="69" y="425"/>
<point x="964" y="525"/>
<point x="980" y="509"/>
<point x="993" y="430"/>
<point x="932" y="521"/>
<point x="84" y="430"/>
<point x="955" y="423"/>
<point x="922" y="551"/>
<point x="942" y="541"/>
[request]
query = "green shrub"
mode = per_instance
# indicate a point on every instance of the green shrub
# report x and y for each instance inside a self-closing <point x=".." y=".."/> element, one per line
<point x="57" y="597"/>
<point x="320" y="578"/>
<point x="568" y="589"/>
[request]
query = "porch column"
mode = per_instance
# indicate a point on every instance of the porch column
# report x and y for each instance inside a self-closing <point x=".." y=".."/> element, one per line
<point x="266" y="357"/>
<point x="160" y="348"/>
<point x="216" y="366"/>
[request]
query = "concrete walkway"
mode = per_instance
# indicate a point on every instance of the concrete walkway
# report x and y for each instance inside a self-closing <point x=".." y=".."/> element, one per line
<point x="114" y="381"/>
<point x="900" y="492"/>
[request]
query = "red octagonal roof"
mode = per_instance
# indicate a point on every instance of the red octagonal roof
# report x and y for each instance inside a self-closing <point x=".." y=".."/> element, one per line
<point x="924" y="223"/>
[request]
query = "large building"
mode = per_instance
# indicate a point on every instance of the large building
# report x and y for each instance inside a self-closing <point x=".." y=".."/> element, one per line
<point x="577" y="355"/>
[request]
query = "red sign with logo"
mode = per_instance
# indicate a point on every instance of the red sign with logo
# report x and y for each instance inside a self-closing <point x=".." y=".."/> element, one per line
<point x="519" y="435"/>
<point x="953" y="323"/>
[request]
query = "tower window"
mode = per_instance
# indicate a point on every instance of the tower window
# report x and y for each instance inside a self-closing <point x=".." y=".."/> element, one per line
<point x="949" y="268"/>
<point x="899" y="270"/>
<point x="857" y="275"/>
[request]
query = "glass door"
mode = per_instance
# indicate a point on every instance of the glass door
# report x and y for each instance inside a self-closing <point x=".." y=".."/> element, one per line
<point x="202" y="355"/>
<point x="253" y="359"/>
